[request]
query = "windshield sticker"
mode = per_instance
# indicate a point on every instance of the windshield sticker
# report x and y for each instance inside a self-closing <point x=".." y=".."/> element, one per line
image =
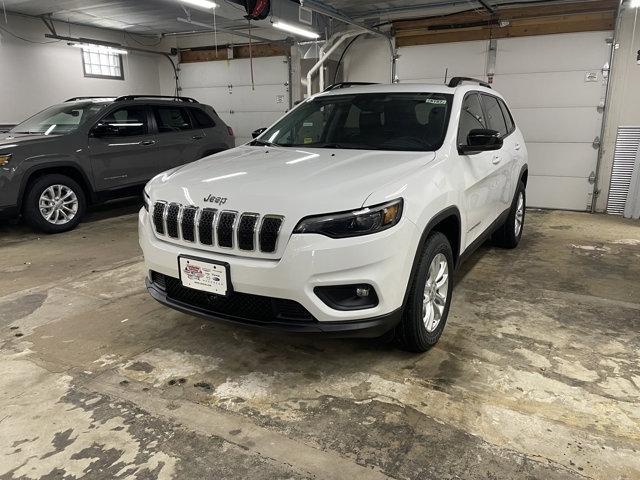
<point x="307" y="124"/>
<point x="308" y="140"/>
<point x="435" y="101"/>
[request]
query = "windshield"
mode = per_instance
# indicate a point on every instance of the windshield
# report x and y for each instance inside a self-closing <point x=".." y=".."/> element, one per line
<point x="57" y="119"/>
<point x="370" y="121"/>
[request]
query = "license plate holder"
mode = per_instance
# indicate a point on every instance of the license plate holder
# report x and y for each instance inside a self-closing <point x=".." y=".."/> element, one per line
<point x="205" y="275"/>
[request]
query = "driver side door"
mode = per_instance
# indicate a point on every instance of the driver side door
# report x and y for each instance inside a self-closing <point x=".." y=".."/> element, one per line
<point x="122" y="149"/>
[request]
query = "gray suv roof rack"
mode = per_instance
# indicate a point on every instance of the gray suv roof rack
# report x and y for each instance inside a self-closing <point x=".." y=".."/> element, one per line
<point x="75" y="99"/>
<point x="337" y="86"/>
<point x="456" y="81"/>
<point x="167" y="97"/>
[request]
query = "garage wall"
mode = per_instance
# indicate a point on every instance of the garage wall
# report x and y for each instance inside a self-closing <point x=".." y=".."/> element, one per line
<point x="226" y="86"/>
<point x="544" y="79"/>
<point x="36" y="75"/>
<point x="624" y="104"/>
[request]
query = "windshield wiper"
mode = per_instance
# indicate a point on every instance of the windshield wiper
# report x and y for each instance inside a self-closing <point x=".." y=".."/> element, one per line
<point x="262" y="143"/>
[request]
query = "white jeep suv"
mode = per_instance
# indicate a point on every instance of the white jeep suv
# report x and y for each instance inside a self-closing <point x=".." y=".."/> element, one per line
<point x="348" y="216"/>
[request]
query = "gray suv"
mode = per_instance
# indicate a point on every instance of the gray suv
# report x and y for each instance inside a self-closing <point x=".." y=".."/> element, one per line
<point x="92" y="149"/>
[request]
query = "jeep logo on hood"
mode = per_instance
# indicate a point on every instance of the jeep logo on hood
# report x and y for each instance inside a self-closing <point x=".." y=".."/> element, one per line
<point x="216" y="200"/>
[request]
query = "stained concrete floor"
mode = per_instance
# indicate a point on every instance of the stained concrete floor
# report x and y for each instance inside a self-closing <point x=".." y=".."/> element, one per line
<point x="537" y="375"/>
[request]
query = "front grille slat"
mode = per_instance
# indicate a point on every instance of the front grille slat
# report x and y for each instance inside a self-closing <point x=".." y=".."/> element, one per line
<point x="269" y="232"/>
<point x="247" y="231"/>
<point x="205" y="226"/>
<point x="224" y="230"/>
<point x="211" y="227"/>
<point x="158" y="217"/>
<point x="188" y="224"/>
<point x="172" y="220"/>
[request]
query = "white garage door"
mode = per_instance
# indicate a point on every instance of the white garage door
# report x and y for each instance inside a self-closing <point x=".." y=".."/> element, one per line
<point x="226" y="86"/>
<point x="554" y="85"/>
<point x="547" y="81"/>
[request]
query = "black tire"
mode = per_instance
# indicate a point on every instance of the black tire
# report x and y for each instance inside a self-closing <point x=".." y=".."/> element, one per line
<point x="31" y="209"/>
<point x="506" y="236"/>
<point x="411" y="333"/>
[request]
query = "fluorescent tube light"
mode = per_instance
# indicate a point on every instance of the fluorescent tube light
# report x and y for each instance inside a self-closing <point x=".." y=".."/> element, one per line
<point x="90" y="47"/>
<point x="303" y="32"/>
<point x="202" y="4"/>
<point x="635" y="3"/>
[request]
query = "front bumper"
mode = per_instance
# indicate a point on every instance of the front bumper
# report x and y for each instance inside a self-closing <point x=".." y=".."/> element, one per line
<point x="382" y="260"/>
<point x="369" y="328"/>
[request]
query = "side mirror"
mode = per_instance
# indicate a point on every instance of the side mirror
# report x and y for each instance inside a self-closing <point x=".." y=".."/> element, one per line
<point x="481" y="140"/>
<point x="103" y="130"/>
<point x="258" y="132"/>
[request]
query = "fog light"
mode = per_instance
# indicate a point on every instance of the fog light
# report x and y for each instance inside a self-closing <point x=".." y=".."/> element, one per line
<point x="362" y="291"/>
<point x="348" y="297"/>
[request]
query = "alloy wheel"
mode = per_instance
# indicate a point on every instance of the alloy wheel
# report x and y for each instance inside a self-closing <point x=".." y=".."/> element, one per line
<point x="436" y="290"/>
<point x="58" y="204"/>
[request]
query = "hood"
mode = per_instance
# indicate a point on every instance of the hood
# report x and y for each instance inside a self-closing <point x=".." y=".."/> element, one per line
<point x="16" y="139"/>
<point x="293" y="182"/>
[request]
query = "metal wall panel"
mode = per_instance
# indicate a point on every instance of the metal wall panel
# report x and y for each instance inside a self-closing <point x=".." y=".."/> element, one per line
<point x="555" y="84"/>
<point x="624" y="159"/>
<point x="226" y="86"/>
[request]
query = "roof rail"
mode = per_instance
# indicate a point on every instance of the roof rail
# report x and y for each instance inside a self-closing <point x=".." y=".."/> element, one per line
<point x="75" y="99"/>
<point x="338" y="86"/>
<point x="456" y="81"/>
<point x="166" y="97"/>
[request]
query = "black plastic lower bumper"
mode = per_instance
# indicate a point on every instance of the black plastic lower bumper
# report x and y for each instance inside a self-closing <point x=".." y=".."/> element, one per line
<point x="366" y="328"/>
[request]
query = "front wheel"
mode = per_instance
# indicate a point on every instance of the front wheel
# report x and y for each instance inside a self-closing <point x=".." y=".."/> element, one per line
<point x="430" y="295"/>
<point x="510" y="233"/>
<point x="54" y="203"/>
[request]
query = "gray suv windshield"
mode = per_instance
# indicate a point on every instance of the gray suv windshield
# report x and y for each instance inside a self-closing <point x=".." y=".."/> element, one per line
<point x="58" y="119"/>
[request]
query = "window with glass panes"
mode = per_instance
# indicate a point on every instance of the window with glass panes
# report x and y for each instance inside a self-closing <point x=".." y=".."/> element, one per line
<point x="102" y="62"/>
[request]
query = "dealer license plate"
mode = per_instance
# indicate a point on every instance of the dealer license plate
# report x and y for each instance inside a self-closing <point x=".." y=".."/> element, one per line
<point x="203" y="275"/>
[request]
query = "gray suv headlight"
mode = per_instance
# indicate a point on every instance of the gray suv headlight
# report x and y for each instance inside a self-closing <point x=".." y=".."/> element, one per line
<point x="364" y="221"/>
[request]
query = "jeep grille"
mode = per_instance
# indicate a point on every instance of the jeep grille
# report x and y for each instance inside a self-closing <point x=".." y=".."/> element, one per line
<point x="222" y="228"/>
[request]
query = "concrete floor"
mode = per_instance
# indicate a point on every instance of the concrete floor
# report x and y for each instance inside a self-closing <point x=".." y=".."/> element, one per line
<point x="537" y="374"/>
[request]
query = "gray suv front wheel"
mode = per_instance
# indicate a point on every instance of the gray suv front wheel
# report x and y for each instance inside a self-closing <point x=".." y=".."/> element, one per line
<point x="54" y="203"/>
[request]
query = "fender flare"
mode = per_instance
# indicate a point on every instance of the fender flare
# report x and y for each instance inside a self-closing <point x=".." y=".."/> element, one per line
<point x="437" y="218"/>
<point x="28" y="174"/>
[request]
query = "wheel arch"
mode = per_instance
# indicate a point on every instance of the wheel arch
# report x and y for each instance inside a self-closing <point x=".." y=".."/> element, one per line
<point x="61" y="168"/>
<point x="524" y="174"/>
<point x="447" y="222"/>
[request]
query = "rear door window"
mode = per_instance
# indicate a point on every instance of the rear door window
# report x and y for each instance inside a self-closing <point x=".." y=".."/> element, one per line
<point x="172" y="119"/>
<point x="507" y="116"/>
<point x="495" y="118"/>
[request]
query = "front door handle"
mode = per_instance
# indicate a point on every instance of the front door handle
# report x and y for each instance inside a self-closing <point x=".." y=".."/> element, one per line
<point x="197" y="137"/>
<point x="146" y="143"/>
<point x="517" y="147"/>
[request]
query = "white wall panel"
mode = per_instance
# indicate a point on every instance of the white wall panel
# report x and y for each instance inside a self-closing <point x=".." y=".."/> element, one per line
<point x="226" y="86"/>
<point x="560" y="159"/>
<point x="558" y="124"/>
<point x="565" y="193"/>
<point x="429" y="62"/>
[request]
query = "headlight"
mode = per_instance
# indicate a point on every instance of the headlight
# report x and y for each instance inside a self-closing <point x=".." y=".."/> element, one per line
<point x="355" y="223"/>
<point x="4" y="159"/>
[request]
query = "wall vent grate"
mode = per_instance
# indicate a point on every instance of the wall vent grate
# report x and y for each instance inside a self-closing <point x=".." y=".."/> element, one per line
<point x="624" y="158"/>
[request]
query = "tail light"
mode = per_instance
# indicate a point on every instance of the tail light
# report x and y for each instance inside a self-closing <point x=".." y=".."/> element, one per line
<point x="230" y="131"/>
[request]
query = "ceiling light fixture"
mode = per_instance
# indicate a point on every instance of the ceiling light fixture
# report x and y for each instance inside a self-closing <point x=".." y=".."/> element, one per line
<point x="202" y="4"/>
<point x="92" y="47"/>
<point x="635" y="3"/>
<point x="303" y="32"/>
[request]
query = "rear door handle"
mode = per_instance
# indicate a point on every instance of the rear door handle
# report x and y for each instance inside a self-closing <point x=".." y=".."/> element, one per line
<point x="496" y="159"/>
<point x="146" y="143"/>
<point x="517" y="147"/>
